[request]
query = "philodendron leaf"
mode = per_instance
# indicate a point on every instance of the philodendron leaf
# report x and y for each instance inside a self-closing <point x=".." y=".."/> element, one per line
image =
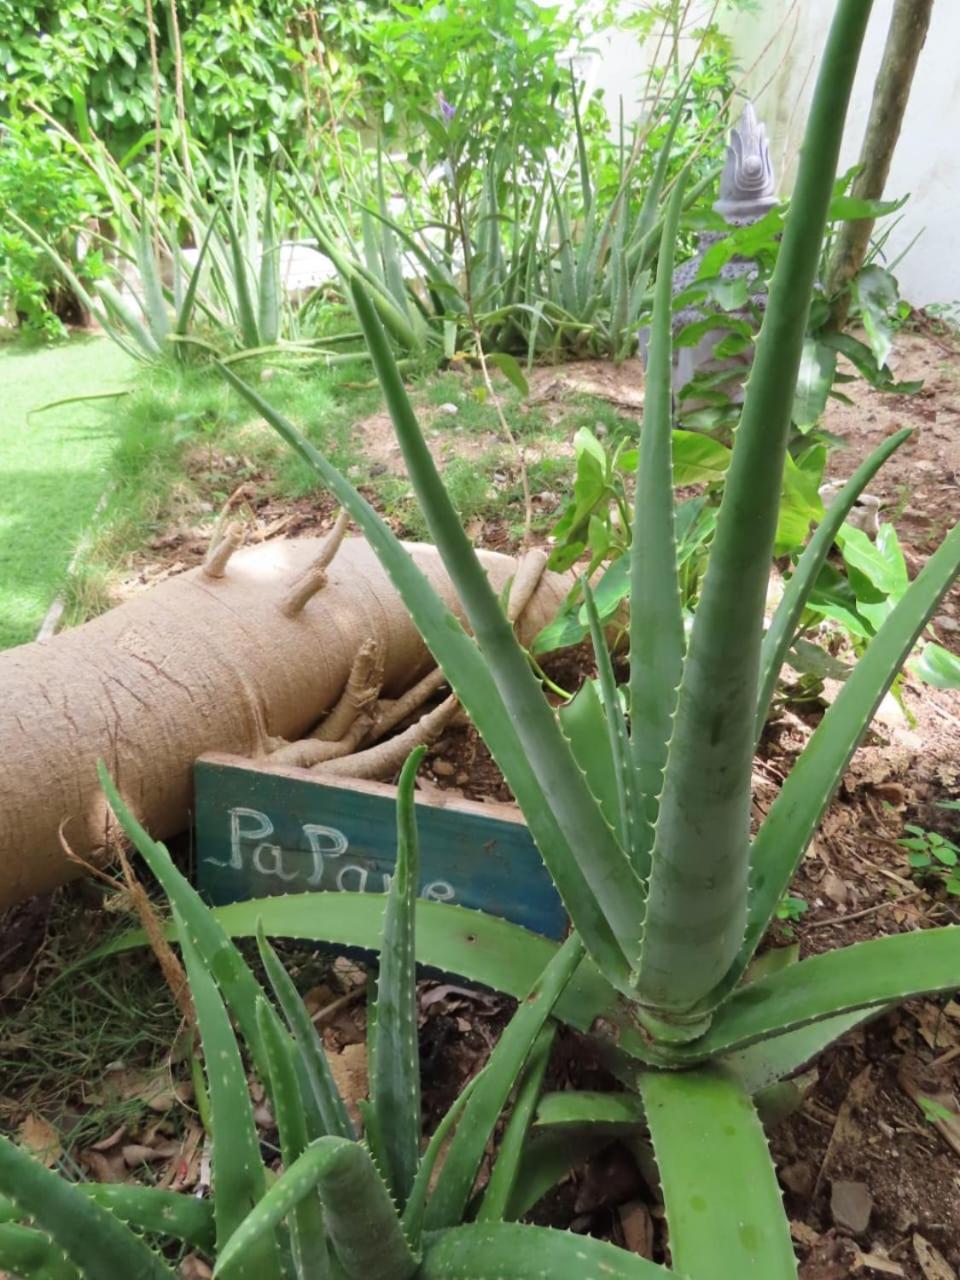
<point x="937" y="666"/>
<point x="362" y="1222"/>
<point x="724" y="1211"/>
<point x="394" y="1061"/>
<point x="814" y="384"/>
<point x="876" y="294"/>
<point x="94" y="1241"/>
<point x="512" y="1252"/>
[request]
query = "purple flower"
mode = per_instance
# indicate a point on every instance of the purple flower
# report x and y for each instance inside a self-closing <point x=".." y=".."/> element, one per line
<point x="447" y="109"/>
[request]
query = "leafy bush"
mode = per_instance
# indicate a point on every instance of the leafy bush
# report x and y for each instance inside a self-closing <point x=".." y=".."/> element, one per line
<point x="43" y="186"/>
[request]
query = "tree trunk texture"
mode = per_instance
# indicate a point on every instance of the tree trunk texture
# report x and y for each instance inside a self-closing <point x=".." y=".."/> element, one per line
<point x="908" y="31"/>
<point x="196" y="664"/>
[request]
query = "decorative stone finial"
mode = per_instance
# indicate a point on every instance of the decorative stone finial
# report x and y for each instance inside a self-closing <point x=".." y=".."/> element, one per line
<point x="747" y="185"/>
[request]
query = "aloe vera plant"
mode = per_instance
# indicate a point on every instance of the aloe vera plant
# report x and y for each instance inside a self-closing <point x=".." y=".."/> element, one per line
<point x="641" y="811"/>
<point x="342" y="1208"/>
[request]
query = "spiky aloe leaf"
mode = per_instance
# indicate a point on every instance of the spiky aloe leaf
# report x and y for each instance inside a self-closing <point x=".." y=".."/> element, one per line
<point x="362" y="1222"/>
<point x="563" y="818"/>
<point x="803" y="799"/>
<point x="25" y="1251"/>
<point x="656" y="621"/>
<point x="575" y="1108"/>
<point x="307" y="1237"/>
<point x="764" y="1063"/>
<point x="219" y="955"/>
<point x="624" y="776"/>
<point x="313" y="1059"/>
<point x="154" y="302"/>
<point x="585" y="726"/>
<point x="124" y="316"/>
<point x="697" y="900"/>
<point x="186" y="308"/>
<point x="239" y="1179"/>
<point x="724" y="1210"/>
<point x="455" y="1182"/>
<point x="95" y="1241"/>
<point x="146" y="1209"/>
<point x="512" y="1252"/>
<point x="240" y="279"/>
<point x="786" y="618"/>
<point x="864" y="976"/>
<point x="417" y="1201"/>
<point x="268" y="301"/>
<point x="549" y="1155"/>
<point x="394" y="1062"/>
<point x="495" y="1205"/>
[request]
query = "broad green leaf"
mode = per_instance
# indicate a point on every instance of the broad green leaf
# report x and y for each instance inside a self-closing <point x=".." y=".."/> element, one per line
<point x="937" y="666"/>
<point x="697" y="897"/>
<point x="814" y="384"/>
<point x="394" y="1062"/>
<point x="877" y="296"/>
<point x="852" y="209"/>
<point x="656" y="623"/>
<point x="800" y="503"/>
<point x="786" y="618"/>
<point x="510" y="369"/>
<point x="95" y="1242"/>
<point x="723" y="1203"/>
<point x="697" y="459"/>
<point x="512" y="1252"/>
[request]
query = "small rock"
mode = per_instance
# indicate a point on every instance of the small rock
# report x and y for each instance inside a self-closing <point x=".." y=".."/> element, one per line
<point x="452" y="409"/>
<point x="851" y="1205"/>
<point x="798" y="1177"/>
<point x="443" y="768"/>
<point x="462" y="779"/>
<point x="946" y="623"/>
<point x="267" y="375"/>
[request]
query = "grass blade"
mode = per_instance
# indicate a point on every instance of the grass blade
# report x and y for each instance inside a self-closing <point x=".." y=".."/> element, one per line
<point x="720" y="1189"/>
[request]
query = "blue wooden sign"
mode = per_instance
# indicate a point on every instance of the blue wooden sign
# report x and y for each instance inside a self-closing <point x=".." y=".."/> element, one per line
<point x="264" y="830"/>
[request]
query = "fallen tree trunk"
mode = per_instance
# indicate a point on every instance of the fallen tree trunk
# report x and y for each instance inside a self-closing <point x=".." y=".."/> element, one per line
<point x="199" y="663"/>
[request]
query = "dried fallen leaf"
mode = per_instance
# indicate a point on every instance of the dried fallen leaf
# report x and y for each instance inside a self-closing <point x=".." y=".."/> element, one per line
<point x="39" y="1137"/>
<point x="349" y="1070"/>
<point x="878" y="1263"/>
<point x="637" y="1227"/>
<point x="932" y="1262"/>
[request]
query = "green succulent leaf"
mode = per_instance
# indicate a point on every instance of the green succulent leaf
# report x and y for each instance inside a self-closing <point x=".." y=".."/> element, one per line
<point x="720" y="1189"/>
<point x="512" y="1252"/>
<point x="25" y="1251"/>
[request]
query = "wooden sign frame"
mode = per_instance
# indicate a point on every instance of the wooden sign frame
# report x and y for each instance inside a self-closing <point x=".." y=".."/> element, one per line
<point x="268" y="829"/>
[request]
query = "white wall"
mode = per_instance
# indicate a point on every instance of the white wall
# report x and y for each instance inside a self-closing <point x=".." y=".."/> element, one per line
<point x="779" y="48"/>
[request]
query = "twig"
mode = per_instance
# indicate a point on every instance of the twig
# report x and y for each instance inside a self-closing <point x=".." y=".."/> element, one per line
<point x="859" y="915"/>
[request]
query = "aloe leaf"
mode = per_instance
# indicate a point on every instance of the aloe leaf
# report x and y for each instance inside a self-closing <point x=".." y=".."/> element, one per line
<point x="494" y="1207"/>
<point x="185" y="312"/>
<point x="764" y="1063"/>
<point x="223" y="960"/>
<point x="268" y="319"/>
<point x="724" y="1210"/>
<point x="512" y="1252"/>
<point x="465" y="1152"/>
<point x="656" y="621"/>
<point x="25" y="1251"/>
<point x="154" y="302"/>
<point x="697" y="900"/>
<point x="239" y="1179"/>
<point x="90" y="1236"/>
<point x="794" y="815"/>
<point x="585" y="726"/>
<point x="628" y="797"/>
<point x="394" y="1061"/>
<point x="786" y="618"/>
<point x="361" y="1220"/>
<point x="240" y="278"/>
<point x="313" y="1059"/>
<point x="307" y="1237"/>
<point x="863" y="976"/>
<point x="417" y="1201"/>
<point x="575" y="1108"/>
<point x="473" y="683"/>
<point x="128" y="320"/>
<point x="147" y="1209"/>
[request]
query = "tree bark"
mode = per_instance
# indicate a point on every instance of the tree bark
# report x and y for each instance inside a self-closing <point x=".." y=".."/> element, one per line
<point x="908" y="31"/>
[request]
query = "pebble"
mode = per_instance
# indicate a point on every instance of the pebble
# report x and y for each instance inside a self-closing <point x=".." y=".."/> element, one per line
<point x="443" y="769"/>
<point x="851" y="1205"/>
<point x="946" y="623"/>
<point x="452" y="409"/>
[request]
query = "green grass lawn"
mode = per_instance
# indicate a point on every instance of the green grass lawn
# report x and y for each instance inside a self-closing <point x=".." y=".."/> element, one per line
<point x="53" y="469"/>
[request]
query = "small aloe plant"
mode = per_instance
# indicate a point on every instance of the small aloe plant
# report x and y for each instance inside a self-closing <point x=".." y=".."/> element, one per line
<point x="342" y="1209"/>
<point x="640" y="805"/>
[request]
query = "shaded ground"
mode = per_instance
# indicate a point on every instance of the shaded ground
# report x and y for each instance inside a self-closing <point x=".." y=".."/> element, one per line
<point x="52" y="470"/>
<point x="883" y="1108"/>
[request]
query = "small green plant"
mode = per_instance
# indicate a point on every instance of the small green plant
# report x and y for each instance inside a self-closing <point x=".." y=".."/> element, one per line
<point x="933" y="858"/>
